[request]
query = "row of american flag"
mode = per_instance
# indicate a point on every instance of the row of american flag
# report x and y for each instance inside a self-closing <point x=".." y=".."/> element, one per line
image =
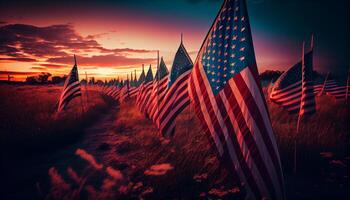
<point x="223" y="87"/>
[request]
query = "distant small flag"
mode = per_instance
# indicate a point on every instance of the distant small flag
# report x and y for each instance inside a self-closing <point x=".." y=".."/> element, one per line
<point x="124" y="93"/>
<point x="225" y="91"/>
<point x="132" y="89"/>
<point x="142" y="76"/>
<point x="332" y="88"/>
<point x="110" y="90"/>
<point x="116" y="92"/>
<point x="146" y="91"/>
<point x="71" y="88"/>
<point x="135" y="79"/>
<point x="160" y="86"/>
<point x="140" y="85"/>
<point x="176" y="98"/>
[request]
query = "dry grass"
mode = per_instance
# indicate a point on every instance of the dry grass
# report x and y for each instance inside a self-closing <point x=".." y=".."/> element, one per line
<point x="327" y="130"/>
<point x="188" y="152"/>
<point x="134" y="162"/>
<point x="185" y="166"/>
<point x="29" y="120"/>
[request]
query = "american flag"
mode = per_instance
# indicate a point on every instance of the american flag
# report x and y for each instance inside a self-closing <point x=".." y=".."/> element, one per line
<point x="142" y="76"/>
<point x="225" y="91"/>
<point x="339" y="92"/>
<point x="160" y="86"/>
<point x="145" y="91"/>
<point x="287" y="89"/>
<point x="128" y="91"/>
<point x="308" y="103"/>
<point x="133" y="80"/>
<point x="140" y="84"/>
<point x="176" y="98"/>
<point x="110" y="90"/>
<point x="124" y="91"/>
<point x="71" y="88"/>
<point x="332" y="88"/>
<point x="133" y="91"/>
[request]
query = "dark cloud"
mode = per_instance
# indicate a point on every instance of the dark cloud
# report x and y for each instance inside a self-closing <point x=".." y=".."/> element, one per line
<point x="110" y="60"/>
<point x="55" y="43"/>
<point x="53" y="66"/>
<point x="18" y="73"/>
<point x="125" y="50"/>
<point x="21" y="59"/>
<point x="18" y="39"/>
<point x="39" y="68"/>
<point x="198" y="1"/>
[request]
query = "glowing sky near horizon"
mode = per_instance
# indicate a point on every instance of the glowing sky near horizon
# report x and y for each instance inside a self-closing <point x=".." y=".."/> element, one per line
<point x="129" y="32"/>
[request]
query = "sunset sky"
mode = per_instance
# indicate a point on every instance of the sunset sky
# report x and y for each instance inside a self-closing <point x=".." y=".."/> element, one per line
<point x="113" y="38"/>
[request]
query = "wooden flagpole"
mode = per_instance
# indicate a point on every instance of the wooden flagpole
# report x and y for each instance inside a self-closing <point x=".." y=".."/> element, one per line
<point x="299" y="116"/>
<point x="158" y="84"/>
<point x="128" y="85"/>
<point x="347" y="87"/>
<point x="324" y="85"/>
<point x="86" y="89"/>
<point x="189" y="116"/>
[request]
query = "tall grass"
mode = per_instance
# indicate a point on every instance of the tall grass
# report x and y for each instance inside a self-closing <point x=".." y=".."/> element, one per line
<point x="326" y="131"/>
<point x="29" y="120"/>
<point x="186" y="167"/>
<point x="138" y="163"/>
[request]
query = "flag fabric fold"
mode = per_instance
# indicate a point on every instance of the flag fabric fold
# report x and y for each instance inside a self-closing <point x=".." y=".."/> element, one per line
<point x="176" y="99"/>
<point x="160" y="86"/>
<point x="287" y="90"/>
<point x="145" y="91"/>
<point x="307" y="103"/>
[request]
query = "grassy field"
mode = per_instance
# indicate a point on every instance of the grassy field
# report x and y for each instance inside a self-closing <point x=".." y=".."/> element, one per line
<point x="29" y="120"/>
<point x="131" y="161"/>
<point x="185" y="166"/>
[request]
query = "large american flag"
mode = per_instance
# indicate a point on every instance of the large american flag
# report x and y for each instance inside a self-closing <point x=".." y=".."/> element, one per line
<point x="176" y="98"/>
<point x="225" y="91"/>
<point x="71" y="88"/>
<point x="160" y="86"/>
<point x="145" y="91"/>
<point x="287" y="89"/>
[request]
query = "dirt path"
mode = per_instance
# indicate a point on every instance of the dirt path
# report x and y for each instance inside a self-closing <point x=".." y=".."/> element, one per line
<point x="27" y="178"/>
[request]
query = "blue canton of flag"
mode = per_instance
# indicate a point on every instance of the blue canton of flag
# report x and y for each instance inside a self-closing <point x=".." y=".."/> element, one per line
<point x="182" y="63"/>
<point x="230" y="48"/>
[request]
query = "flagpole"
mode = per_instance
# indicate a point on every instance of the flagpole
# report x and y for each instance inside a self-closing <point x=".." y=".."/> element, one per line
<point x="299" y="115"/>
<point x="189" y="116"/>
<point x="128" y="85"/>
<point x="347" y="87"/>
<point x="158" y="83"/>
<point x="324" y="85"/>
<point x="86" y="89"/>
<point x="81" y="97"/>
